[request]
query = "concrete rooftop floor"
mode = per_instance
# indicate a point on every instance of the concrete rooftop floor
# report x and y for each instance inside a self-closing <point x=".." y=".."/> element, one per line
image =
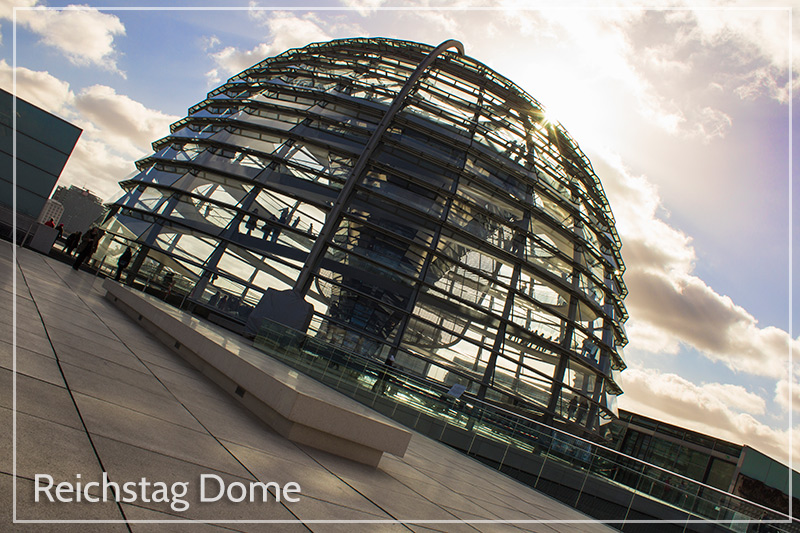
<point x="95" y="392"/>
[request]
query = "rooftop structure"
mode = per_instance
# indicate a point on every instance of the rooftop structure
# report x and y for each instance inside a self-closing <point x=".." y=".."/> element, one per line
<point x="96" y="393"/>
<point x="81" y="207"/>
<point x="93" y="392"/>
<point x="52" y="209"/>
<point x="420" y="203"/>
<point x="44" y="142"/>
<point x="737" y="469"/>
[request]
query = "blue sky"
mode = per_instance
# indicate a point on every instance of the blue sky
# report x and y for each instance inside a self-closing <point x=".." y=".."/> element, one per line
<point x="684" y="113"/>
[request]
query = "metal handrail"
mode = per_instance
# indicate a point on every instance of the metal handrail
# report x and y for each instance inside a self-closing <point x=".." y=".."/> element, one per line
<point x="474" y="408"/>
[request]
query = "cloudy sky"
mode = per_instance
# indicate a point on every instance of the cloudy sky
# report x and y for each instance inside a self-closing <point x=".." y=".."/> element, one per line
<point x="685" y="113"/>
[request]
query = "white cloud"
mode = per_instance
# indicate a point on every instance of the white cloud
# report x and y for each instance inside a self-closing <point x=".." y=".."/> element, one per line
<point x="117" y="130"/>
<point x="96" y="165"/>
<point x="722" y="410"/>
<point x="662" y="59"/>
<point x="209" y="42"/>
<point x="764" y="81"/>
<point x="758" y="34"/>
<point x="365" y="7"/>
<point x="128" y="124"/>
<point x="39" y="88"/>
<point x="213" y="76"/>
<point x="230" y="60"/>
<point x="287" y="30"/>
<point x="7" y="7"/>
<point x="580" y="60"/>
<point x="711" y="124"/>
<point x="787" y="398"/>
<point x="83" y="34"/>
<point x="663" y="62"/>
<point x="753" y="45"/>
<point x="668" y="304"/>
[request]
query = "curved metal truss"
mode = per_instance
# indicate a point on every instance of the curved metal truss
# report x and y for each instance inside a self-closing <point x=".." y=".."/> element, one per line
<point x="476" y="243"/>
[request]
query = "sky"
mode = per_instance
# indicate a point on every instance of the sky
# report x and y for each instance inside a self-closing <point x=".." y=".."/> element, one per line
<point x="685" y="109"/>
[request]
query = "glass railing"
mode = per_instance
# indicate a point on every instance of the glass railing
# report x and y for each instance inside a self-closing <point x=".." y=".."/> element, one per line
<point x="574" y="470"/>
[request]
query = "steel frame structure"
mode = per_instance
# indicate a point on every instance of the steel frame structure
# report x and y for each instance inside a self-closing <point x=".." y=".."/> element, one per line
<point x="473" y="241"/>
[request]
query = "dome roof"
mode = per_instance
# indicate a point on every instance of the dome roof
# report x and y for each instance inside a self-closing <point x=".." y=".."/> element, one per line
<point x="459" y="231"/>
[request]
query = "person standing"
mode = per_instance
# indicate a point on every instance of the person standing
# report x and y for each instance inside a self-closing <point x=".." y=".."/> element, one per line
<point x="252" y="221"/>
<point x="572" y="407"/>
<point x="72" y="242"/>
<point x="123" y="262"/>
<point x="60" y="230"/>
<point x="50" y="223"/>
<point x="87" y="247"/>
<point x="168" y="281"/>
<point x="382" y="382"/>
<point x="215" y="299"/>
<point x="581" y="412"/>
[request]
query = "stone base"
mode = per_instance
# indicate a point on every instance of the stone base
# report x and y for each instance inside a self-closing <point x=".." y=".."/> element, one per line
<point x="295" y="405"/>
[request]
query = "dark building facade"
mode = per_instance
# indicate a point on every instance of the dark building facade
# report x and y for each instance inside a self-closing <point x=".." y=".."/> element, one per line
<point x="82" y="207"/>
<point x="44" y="143"/>
<point x="733" y="468"/>
<point x="420" y="202"/>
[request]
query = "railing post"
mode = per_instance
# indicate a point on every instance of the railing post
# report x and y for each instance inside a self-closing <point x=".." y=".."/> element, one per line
<point x="684" y="494"/>
<point x="585" y="478"/>
<point x="544" y="461"/>
<point x="633" y="496"/>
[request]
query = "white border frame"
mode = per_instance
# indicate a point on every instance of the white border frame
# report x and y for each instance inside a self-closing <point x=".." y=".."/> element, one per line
<point x="345" y="8"/>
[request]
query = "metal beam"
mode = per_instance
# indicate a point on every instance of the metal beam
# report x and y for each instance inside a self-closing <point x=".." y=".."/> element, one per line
<point x="303" y="282"/>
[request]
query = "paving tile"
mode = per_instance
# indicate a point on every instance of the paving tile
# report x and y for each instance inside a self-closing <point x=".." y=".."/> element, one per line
<point x="26" y="320"/>
<point x="207" y="396"/>
<point x="311" y="509"/>
<point x="483" y="527"/>
<point x="317" y="482"/>
<point x="345" y="527"/>
<point x="92" y="328"/>
<point x="162" y="357"/>
<point x="157" y="403"/>
<point x="128" y="463"/>
<point x="29" y="509"/>
<point x="188" y="377"/>
<point x="409" y="506"/>
<point x="140" y="378"/>
<point x="38" y="398"/>
<point x="125" y="425"/>
<point x="78" y="315"/>
<point x="32" y="342"/>
<point x="444" y="527"/>
<point x="247" y="430"/>
<point x="44" y="447"/>
<point x="82" y="341"/>
<point x="32" y="364"/>
<point x="74" y="355"/>
<point x="176" y="522"/>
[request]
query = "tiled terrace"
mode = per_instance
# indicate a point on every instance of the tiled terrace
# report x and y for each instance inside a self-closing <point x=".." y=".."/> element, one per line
<point x="95" y="392"/>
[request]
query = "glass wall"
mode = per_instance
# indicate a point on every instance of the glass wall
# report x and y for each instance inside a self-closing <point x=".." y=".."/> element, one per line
<point x="705" y="459"/>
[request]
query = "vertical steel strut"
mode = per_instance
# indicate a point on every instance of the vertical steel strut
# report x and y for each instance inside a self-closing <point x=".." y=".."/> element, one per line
<point x="303" y="282"/>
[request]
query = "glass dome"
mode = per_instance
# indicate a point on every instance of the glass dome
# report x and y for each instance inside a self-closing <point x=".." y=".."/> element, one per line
<point x="475" y="242"/>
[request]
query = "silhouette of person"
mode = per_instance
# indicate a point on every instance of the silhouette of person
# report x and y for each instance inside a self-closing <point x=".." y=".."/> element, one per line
<point x="87" y="247"/>
<point x="72" y="242"/>
<point x="123" y="261"/>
